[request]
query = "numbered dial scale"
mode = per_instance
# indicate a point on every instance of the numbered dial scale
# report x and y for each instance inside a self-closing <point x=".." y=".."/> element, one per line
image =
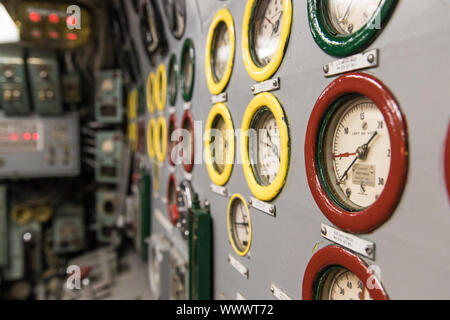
<point x="343" y="27"/>
<point x="358" y="168"/>
<point x="239" y="225"/>
<point x="265" y="34"/>
<point x="187" y="69"/>
<point x="220" y="49"/>
<point x="334" y="273"/>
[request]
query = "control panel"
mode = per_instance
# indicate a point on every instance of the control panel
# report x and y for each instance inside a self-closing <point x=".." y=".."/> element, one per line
<point x="39" y="146"/>
<point x="44" y="77"/>
<point x="14" y="97"/>
<point x="109" y="97"/>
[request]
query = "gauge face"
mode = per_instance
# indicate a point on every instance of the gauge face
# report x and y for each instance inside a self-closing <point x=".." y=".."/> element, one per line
<point x="188" y="70"/>
<point x="108" y="146"/>
<point x="219" y="145"/>
<point x="356" y="153"/>
<point x="239" y="224"/>
<point x="221" y="51"/>
<point x="338" y="283"/>
<point x="264" y="147"/>
<point x="172" y="81"/>
<point x="267" y="26"/>
<point x="349" y="16"/>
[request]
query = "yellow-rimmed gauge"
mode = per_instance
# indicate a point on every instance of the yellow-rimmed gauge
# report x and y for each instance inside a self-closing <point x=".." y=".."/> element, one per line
<point x="219" y="144"/>
<point x="160" y="137"/>
<point x="219" y="54"/>
<point x="133" y="101"/>
<point x="43" y="213"/>
<point x="161" y="87"/>
<point x="239" y="225"/>
<point x="133" y="135"/>
<point x="150" y="138"/>
<point x="265" y="146"/>
<point x="150" y="92"/>
<point x="21" y="214"/>
<point x="265" y="33"/>
<point x="156" y="176"/>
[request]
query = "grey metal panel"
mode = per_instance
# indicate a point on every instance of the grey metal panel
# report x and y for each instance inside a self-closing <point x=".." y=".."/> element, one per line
<point x="411" y="246"/>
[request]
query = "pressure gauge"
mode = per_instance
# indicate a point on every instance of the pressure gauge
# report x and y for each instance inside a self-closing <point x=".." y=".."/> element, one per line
<point x="219" y="144"/>
<point x="187" y="69"/>
<point x="161" y="87"/>
<point x="266" y="30"/>
<point x="358" y="138"/>
<point x="343" y="27"/>
<point x="171" y="142"/>
<point x="150" y="138"/>
<point x="187" y="146"/>
<point x="172" y="196"/>
<point x="184" y="206"/>
<point x="239" y="225"/>
<point x="160" y="137"/>
<point x="220" y="49"/>
<point x="334" y="273"/>
<point x="150" y="93"/>
<point x="108" y="146"/>
<point x="175" y="11"/>
<point x="266" y="146"/>
<point x="172" y="81"/>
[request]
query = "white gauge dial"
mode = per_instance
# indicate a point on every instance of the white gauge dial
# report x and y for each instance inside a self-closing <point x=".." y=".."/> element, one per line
<point x="267" y="25"/>
<point x="221" y="50"/>
<point x="188" y="70"/>
<point x="219" y="145"/>
<point x="240" y="225"/>
<point x="342" y="284"/>
<point x="108" y="146"/>
<point x="349" y="16"/>
<point x="265" y="147"/>
<point x="357" y="153"/>
<point x="107" y="85"/>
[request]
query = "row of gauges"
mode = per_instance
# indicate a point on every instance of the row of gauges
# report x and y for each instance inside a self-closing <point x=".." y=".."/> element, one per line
<point x="340" y="28"/>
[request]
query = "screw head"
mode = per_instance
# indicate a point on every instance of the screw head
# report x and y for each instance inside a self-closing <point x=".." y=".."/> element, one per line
<point x="326" y="68"/>
<point x="275" y="82"/>
<point x="369" y="250"/>
<point x="371" y="58"/>
<point x="272" y="289"/>
<point x="253" y="89"/>
<point x="250" y="202"/>
<point x="323" y="230"/>
<point x="271" y="210"/>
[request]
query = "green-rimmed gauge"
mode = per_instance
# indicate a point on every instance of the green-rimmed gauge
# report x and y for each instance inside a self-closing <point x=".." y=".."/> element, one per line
<point x="344" y="27"/>
<point x="239" y="225"/>
<point x="172" y="80"/>
<point x="187" y="69"/>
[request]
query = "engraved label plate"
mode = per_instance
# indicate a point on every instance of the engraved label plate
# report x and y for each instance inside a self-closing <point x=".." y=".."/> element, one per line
<point x="278" y="293"/>
<point x="219" y="190"/>
<point x="356" y="62"/>
<point x="263" y="206"/>
<point x="349" y="241"/>
<point x="223" y="97"/>
<point x="363" y="175"/>
<point x="171" y="110"/>
<point x="172" y="169"/>
<point x="164" y="221"/>
<point x="269" y="85"/>
<point x="188" y="176"/>
<point x="239" y="296"/>
<point x="187" y="105"/>
<point x="238" y="266"/>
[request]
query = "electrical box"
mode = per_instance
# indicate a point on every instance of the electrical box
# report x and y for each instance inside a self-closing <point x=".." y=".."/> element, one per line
<point x="39" y="146"/>
<point x="109" y="156"/>
<point x="3" y="227"/>
<point x="44" y="77"/>
<point x="68" y="230"/>
<point x="13" y="82"/>
<point x="106" y="214"/>
<point x="200" y="252"/>
<point x="109" y="97"/>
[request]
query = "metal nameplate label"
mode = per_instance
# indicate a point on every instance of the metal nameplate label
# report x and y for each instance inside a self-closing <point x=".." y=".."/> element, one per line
<point x="187" y="105"/>
<point x="356" y="62"/>
<point x="188" y="176"/>
<point x="239" y="296"/>
<point x="349" y="241"/>
<point x="278" y="293"/>
<point x="222" y="191"/>
<point x="172" y="169"/>
<point x="171" y="110"/>
<point x="223" y="97"/>
<point x="238" y="266"/>
<point x="269" y="85"/>
<point x="265" y="207"/>
<point x="363" y="175"/>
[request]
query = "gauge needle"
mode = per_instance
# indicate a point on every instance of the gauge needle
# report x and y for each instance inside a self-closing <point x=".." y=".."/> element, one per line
<point x="269" y="21"/>
<point x="343" y="155"/>
<point x="347" y="12"/>
<point x="361" y="153"/>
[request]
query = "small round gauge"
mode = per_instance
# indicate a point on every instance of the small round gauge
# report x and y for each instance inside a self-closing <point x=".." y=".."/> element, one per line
<point x="161" y="87"/>
<point x="108" y="146"/>
<point x="187" y="69"/>
<point x="220" y="48"/>
<point x="187" y="147"/>
<point x="21" y="214"/>
<point x="239" y="225"/>
<point x="334" y="273"/>
<point x="265" y="139"/>
<point x="172" y="196"/>
<point x="150" y="138"/>
<point x="161" y="139"/>
<point x="107" y="85"/>
<point x="171" y="143"/>
<point x="150" y="93"/>
<point x="175" y="11"/>
<point x="219" y="144"/>
<point x="358" y="150"/>
<point x="172" y="81"/>
<point x="266" y="30"/>
<point x="344" y="27"/>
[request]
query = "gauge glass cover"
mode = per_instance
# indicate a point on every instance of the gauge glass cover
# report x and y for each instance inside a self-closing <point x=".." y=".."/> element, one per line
<point x="240" y="225"/>
<point x="338" y="283"/>
<point x="219" y="144"/>
<point x="221" y="51"/>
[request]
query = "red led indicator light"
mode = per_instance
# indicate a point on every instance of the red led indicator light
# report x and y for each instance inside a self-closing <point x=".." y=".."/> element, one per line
<point x="54" y="35"/>
<point x="72" y="36"/>
<point x="53" y="18"/>
<point x="26" y="136"/>
<point x="35" y="136"/>
<point x="14" y="137"/>
<point x="35" y="17"/>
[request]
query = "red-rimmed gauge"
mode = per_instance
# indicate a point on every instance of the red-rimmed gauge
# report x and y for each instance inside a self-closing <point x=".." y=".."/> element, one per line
<point x="171" y="143"/>
<point x="187" y="149"/>
<point x="447" y="161"/>
<point x="172" y="195"/>
<point x="334" y="273"/>
<point x="356" y="152"/>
